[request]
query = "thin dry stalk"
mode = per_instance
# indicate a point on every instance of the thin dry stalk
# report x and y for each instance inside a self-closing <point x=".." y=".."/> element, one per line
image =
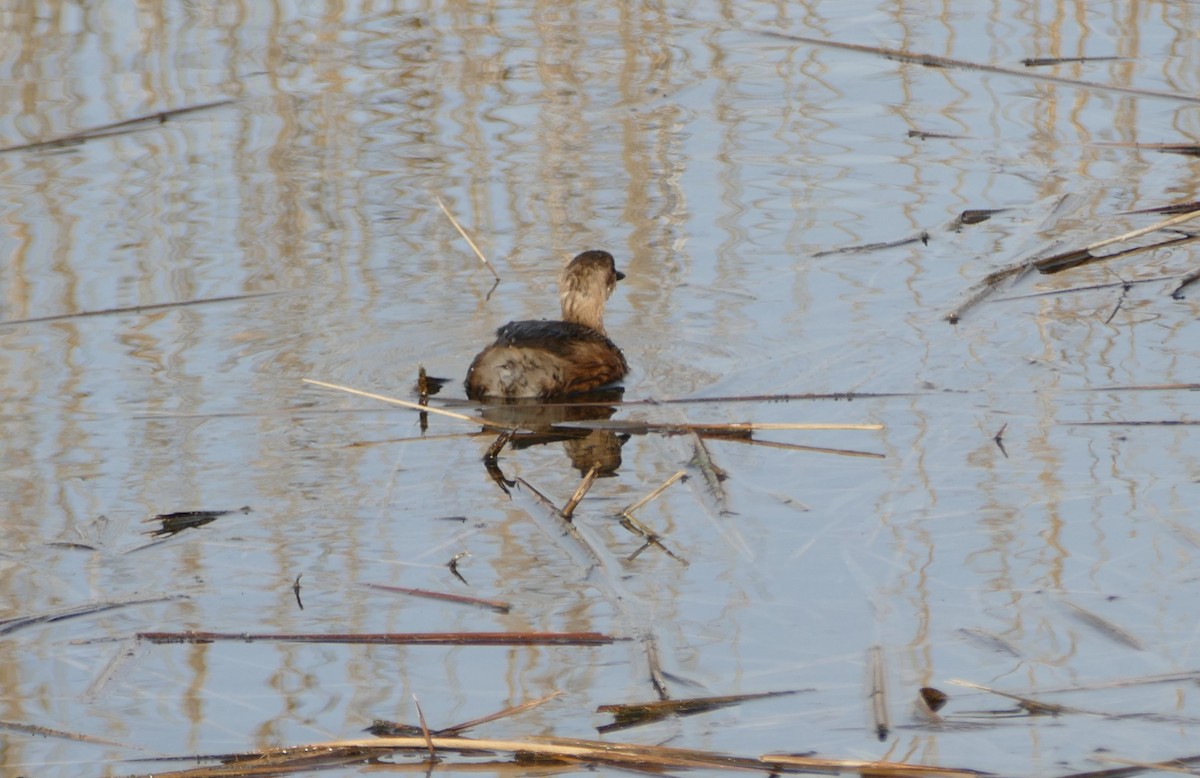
<point x="1034" y="707"/>
<point x="502" y="714"/>
<point x="105" y="130"/>
<point x="433" y="757"/>
<point x="930" y="60"/>
<point x="921" y="237"/>
<point x="746" y="427"/>
<point x="580" y="491"/>
<point x="466" y="237"/>
<point x="139" y="308"/>
<point x="497" y="605"/>
<point x="628" y="512"/>
<point x="406" y="404"/>
<point x="878" y="694"/>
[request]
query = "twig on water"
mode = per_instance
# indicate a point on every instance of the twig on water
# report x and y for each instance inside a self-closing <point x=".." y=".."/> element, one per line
<point x="452" y="565"/>
<point x="467" y="238"/>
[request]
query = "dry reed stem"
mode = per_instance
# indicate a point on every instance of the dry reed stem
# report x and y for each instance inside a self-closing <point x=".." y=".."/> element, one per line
<point x="388" y="638"/>
<point x="406" y="404"/>
<point x="580" y="491"/>
<point x="466" y="237"/>
<point x="930" y="60"/>
<point x="628" y="755"/>
<point x="433" y="757"/>
<point x="644" y="427"/>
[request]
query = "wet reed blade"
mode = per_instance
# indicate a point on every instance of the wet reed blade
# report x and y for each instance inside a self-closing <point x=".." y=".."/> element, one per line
<point x="1135" y="423"/>
<point x="1035" y="62"/>
<point x="104" y="130"/>
<point x="632" y="714"/>
<point x="989" y="641"/>
<point x="1183" y="765"/>
<point x="565" y="527"/>
<point x="62" y="734"/>
<point x="921" y="237"/>
<point x="389" y="638"/>
<point x="877" y="693"/>
<point x="1028" y="704"/>
<point x="499" y="606"/>
<point x="800" y="763"/>
<point x="745" y="398"/>
<point x="513" y="710"/>
<point x="1077" y="289"/>
<point x="934" y="61"/>
<point x="1105" y="627"/>
<point x="467" y="238"/>
<point x="129" y="653"/>
<point x="9" y="626"/>
<point x="1056" y="263"/>
<point x="581" y="491"/>
<point x="406" y="404"/>
<point x="139" y="308"/>
<point x="985" y="288"/>
<point x="1188" y="149"/>
<point x="841" y="452"/>
<point x="733" y="428"/>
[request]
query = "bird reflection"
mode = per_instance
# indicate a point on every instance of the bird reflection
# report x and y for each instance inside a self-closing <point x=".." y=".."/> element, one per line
<point x="532" y="424"/>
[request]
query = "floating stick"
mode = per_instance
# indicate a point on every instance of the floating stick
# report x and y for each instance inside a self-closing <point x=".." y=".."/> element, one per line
<point x="466" y="237"/>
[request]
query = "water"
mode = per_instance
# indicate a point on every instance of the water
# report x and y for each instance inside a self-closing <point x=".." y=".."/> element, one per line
<point x="717" y="164"/>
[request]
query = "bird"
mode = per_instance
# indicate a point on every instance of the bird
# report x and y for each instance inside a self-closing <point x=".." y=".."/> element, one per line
<point x="547" y="359"/>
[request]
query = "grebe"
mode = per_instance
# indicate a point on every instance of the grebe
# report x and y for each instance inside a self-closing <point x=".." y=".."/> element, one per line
<point x="555" y="358"/>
